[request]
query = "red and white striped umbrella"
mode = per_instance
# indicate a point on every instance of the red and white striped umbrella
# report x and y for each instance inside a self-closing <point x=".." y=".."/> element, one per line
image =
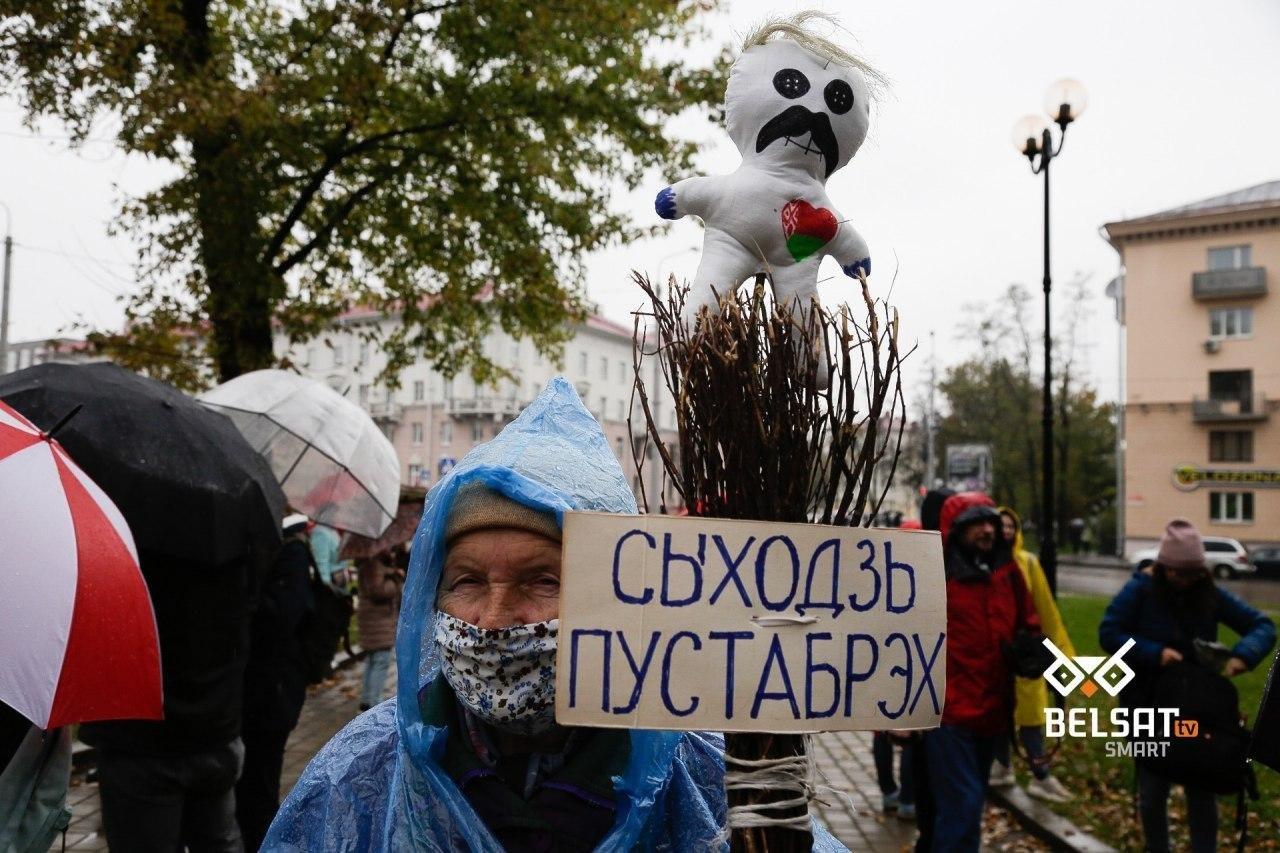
<point x="76" y="626"/>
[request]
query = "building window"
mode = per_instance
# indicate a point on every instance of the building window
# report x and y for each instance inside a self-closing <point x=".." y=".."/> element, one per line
<point x="446" y="432"/>
<point x="582" y="364"/>
<point x="622" y="372"/>
<point x="604" y="368"/>
<point x="622" y="410"/>
<point x="1230" y="445"/>
<point x="364" y="394"/>
<point x="1231" y="322"/>
<point x="419" y="391"/>
<point x="477" y="432"/>
<point x="617" y="447"/>
<point x="415" y="475"/>
<point x="1231" y="507"/>
<point x="364" y="353"/>
<point x="1232" y="385"/>
<point x="417" y="433"/>
<point x="604" y="408"/>
<point x="339" y="354"/>
<point x="1230" y="258"/>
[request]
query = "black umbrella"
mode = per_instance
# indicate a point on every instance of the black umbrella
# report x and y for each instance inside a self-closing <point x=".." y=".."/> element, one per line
<point x="187" y="482"/>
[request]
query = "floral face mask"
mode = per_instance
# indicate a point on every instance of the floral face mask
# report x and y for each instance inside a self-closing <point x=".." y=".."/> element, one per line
<point x="505" y="676"/>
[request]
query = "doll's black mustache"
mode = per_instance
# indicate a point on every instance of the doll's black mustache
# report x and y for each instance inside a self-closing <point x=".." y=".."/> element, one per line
<point x="797" y="121"/>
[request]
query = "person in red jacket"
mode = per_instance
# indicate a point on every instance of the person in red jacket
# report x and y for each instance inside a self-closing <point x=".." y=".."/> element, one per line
<point x="987" y="602"/>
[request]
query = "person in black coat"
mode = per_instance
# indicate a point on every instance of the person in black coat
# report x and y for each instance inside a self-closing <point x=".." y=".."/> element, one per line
<point x="926" y="808"/>
<point x="274" y="684"/>
<point x="171" y="783"/>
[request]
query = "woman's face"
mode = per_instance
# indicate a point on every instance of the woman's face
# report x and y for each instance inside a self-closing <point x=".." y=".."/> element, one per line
<point x="501" y="577"/>
<point x="1183" y="578"/>
<point x="1010" y="529"/>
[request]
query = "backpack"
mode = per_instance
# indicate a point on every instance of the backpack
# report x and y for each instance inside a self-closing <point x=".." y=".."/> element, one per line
<point x="1214" y="759"/>
<point x="327" y="623"/>
<point x="1265" y="747"/>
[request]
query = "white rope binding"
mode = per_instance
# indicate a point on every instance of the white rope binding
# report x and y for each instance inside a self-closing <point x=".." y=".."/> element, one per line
<point x="790" y="774"/>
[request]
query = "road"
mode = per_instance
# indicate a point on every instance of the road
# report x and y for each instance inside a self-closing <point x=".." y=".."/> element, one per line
<point x="1094" y="581"/>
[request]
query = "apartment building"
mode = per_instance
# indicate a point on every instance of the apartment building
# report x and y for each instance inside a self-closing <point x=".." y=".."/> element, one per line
<point x="1202" y="366"/>
<point x="433" y="421"/>
<point x="23" y="354"/>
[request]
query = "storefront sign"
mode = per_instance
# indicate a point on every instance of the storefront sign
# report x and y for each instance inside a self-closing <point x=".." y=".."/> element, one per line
<point x="1191" y="477"/>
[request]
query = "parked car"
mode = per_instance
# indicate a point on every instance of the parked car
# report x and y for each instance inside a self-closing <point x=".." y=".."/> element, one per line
<point x="1227" y="558"/>
<point x="1266" y="562"/>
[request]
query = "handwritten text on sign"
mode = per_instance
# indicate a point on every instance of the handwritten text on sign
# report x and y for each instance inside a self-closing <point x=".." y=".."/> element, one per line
<point x="695" y="623"/>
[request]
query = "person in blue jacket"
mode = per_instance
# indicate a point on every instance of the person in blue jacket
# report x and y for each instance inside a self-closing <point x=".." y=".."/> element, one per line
<point x="1163" y="611"/>
<point x="468" y="756"/>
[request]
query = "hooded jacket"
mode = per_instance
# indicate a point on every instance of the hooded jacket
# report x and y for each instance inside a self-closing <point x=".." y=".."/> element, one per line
<point x="1033" y="693"/>
<point x="380" y="784"/>
<point x="984" y="609"/>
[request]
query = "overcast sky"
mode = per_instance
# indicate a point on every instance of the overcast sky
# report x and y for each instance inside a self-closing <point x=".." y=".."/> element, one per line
<point x="1182" y="105"/>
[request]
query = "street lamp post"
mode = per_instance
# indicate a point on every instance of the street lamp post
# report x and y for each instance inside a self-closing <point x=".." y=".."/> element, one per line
<point x="1033" y="137"/>
<point x="4" y="289"/>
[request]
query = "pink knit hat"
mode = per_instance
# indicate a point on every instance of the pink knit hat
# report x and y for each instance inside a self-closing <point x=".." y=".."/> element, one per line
<point x="1181" y="547"/>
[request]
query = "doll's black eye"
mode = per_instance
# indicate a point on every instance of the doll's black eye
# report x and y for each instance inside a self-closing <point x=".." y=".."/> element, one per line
<point x="790" y="83"/>
<point x="838" y="95"/>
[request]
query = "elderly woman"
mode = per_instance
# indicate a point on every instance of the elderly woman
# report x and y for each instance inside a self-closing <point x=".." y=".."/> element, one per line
<point x="469" y="755"/>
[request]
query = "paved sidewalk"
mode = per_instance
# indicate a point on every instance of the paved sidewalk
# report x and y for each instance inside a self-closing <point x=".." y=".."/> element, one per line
<point x="843" y="759"/>
<point x="852" y="812"/>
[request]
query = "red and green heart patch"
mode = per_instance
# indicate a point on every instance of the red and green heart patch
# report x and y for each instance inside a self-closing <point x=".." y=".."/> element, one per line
<point x="807" y="228"/>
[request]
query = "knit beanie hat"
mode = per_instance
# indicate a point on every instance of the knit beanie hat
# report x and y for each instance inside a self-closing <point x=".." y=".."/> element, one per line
<point x="1181" y="547"/>
<point x="477" y="507"/>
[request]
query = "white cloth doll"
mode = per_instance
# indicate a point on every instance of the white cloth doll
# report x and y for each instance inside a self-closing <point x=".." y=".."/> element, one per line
<point x="798" y="108"/>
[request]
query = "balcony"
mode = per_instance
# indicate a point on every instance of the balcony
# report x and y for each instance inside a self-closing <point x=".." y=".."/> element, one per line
<point x="497" y="408"/>
<point x="385" y="412"/>
<point x="1229" y="284"/>
<point x="1230" y="411"/>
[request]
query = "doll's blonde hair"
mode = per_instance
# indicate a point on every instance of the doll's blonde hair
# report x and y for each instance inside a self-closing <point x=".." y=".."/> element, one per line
<point x="798" y="28"/>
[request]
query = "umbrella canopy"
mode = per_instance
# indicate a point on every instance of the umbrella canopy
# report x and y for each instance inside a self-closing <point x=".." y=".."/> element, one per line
<point x="399" y="532"/>
<point x="186" y="481"/>
<point x="76" y="624"/>
<point x="329" y="456"/>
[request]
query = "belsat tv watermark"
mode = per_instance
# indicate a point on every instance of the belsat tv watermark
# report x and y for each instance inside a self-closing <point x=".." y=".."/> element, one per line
<point x="1131" y="732"/>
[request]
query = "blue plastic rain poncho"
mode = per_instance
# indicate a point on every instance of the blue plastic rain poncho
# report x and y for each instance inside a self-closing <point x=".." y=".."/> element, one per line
<point x="377" y="785"/>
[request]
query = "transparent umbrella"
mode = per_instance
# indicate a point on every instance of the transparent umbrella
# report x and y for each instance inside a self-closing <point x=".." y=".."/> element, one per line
<point x="328" y="455"/>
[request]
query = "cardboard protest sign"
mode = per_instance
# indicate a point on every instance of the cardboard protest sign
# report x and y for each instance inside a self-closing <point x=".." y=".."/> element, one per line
<point x="698" y="623"/>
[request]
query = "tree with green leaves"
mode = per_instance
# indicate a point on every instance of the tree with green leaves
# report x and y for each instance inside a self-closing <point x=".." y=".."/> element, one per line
<point x="449" y="162"/>
<point x="994" y="398"/>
